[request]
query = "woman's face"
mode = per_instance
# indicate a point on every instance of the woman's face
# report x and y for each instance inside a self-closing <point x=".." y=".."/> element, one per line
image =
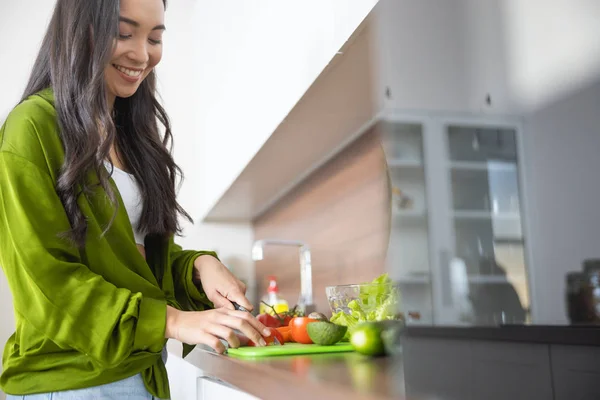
<point x="138" y="47"/>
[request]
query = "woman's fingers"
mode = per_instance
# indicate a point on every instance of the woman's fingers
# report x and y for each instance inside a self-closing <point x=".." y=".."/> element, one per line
<point x="241" y="324"/>
<point x="226" y="333"/>
<point x="204" y="337"/>
<point x="221" y="302"/>
<point x="251" y="319"/>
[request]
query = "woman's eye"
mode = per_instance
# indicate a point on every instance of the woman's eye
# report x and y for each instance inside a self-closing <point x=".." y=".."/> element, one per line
<point x="155" y="41"/>
<point x="124" y="37"/>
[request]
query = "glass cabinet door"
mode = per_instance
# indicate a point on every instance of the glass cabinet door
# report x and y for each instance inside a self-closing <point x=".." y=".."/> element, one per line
<point x="408" y="252"/>
<point x="487" y="270"/>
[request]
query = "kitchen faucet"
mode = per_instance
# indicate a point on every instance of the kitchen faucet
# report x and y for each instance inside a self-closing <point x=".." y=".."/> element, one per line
<point x="305" y="301"/>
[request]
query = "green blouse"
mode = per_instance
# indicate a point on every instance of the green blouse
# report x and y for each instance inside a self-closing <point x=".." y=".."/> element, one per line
<point x="84" y="317"/>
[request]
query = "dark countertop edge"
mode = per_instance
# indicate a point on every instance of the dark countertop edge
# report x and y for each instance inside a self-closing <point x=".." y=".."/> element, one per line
<point x="266" y="382"/>
<point x="541" y="334"/>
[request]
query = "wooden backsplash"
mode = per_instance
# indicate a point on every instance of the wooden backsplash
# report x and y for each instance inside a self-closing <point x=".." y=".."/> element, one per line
<point x="342" y="211"/>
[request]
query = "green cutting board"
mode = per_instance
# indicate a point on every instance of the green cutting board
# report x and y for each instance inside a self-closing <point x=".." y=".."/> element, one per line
<point x="289" y="349"/>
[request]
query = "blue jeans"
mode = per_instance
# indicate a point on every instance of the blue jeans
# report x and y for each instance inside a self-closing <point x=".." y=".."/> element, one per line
<point x="128" y="389"/>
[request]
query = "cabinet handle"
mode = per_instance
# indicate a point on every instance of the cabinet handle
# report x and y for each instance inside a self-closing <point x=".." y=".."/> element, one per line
<point x="218" y="381"/>
<point x="445" y="281"/>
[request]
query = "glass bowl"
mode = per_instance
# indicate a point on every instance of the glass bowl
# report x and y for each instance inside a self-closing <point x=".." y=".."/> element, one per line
<point x="366" y="301"/>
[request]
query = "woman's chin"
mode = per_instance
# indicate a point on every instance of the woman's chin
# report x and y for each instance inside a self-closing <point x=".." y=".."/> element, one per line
<point x="126" y="93"/>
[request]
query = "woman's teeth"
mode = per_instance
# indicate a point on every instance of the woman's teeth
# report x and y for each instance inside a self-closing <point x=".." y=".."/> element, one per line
<point x="127" y="71"/>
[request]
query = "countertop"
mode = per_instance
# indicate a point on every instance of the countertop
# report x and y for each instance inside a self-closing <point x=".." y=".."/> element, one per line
<point x="347" y="376"/>
<point x="577" y="335"/>
<point x="509" y="362"/>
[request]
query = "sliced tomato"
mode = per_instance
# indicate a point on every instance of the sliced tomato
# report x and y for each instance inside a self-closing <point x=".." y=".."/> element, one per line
<point x="298" y="329"/>
<point x="271" y="338"/>
<point x="286" y="333"/>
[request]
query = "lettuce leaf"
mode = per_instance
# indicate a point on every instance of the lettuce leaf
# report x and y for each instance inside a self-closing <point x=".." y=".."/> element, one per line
<point x="382" y="299"/>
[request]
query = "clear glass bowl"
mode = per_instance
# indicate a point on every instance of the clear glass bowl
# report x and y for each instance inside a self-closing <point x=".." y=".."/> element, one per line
<point x="376" y="301"/>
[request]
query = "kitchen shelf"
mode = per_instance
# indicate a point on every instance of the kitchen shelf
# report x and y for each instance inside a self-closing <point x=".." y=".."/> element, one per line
<point x="481" y="214"/>
<point x="491" y="279"/>
<point x="473" y="279"/>
<point x="403" y="163"/>
<point x="410" y="214"/>
<point x="484" y="166"/>
<point x="415" y="279"/>
<point x="518" y="241"/>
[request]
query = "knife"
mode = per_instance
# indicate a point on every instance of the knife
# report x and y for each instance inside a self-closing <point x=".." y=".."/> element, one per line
<point x="241" y="308"/>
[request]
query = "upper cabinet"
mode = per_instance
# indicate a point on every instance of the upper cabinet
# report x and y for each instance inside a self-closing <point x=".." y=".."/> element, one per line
<point x="443" y="56"/>
<point x="458" y="243"/>
<point x="254" y="63"/>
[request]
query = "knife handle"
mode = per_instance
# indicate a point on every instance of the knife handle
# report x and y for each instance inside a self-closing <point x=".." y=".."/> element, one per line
<point x="238" y="307"/>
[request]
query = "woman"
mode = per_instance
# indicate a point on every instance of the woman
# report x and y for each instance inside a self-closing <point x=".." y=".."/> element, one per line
<point x="88" y="213"/>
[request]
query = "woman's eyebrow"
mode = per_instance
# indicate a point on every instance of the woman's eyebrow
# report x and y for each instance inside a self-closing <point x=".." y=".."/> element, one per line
<point x="136" y="24"/>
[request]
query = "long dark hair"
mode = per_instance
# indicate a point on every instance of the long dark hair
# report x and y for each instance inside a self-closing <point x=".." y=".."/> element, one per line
<point x="74" y="54"/>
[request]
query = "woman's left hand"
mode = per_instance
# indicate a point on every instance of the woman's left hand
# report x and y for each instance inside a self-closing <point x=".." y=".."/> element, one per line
<point x="219" y="284"/>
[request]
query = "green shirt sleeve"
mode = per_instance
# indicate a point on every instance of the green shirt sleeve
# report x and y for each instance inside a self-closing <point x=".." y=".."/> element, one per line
<point x="52" y="289"/>
<point x="188" y="294"/>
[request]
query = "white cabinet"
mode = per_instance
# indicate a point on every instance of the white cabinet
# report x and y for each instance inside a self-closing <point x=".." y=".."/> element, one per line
<point x="458" y="232"/>
<point x="209" y="389"/>
<point x="443" y="55"/>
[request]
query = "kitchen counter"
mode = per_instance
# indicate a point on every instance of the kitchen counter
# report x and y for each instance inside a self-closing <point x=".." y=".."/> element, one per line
<point x="577" y="335"/>
<point x="347" y="376"/>
<point x="513" y="362"/>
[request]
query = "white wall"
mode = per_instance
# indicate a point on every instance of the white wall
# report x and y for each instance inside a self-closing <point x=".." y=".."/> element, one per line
<point x="17" y="58"/>
<point x="552" y="64"/>
<point x="552" y="47"/>
<point x="562" y="144"/>
<point x="181" y="88"/>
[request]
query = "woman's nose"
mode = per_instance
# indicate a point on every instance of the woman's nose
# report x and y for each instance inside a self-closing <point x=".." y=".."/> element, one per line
<point x="139" y="52"/>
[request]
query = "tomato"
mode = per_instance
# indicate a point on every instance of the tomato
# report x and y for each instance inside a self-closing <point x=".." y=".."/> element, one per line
<point x="299" y="333"/>
<point x="286" y="320"/>
<point x="274" y="334"/>
<point x="286" y="333"/>
<point x="270" y="339"/>
<point x="269" y="321"/>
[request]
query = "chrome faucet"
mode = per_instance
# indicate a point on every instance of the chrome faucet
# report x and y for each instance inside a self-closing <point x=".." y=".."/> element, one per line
<point x="305" y="301"/>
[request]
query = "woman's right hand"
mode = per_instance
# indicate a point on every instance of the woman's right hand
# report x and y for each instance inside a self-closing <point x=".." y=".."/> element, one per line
<point x="208" y="327"/>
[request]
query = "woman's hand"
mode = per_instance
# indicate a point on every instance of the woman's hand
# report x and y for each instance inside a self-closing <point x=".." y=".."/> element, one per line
<point x="219" y="284"/>
<point x="208" y="327"/>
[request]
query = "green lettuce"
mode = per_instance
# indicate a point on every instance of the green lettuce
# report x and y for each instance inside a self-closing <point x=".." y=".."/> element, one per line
<point x="380" y="298"/>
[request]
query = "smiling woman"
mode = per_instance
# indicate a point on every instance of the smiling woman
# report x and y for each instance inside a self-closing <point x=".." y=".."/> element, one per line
<point x="87" y="183"/>
<point x="138" y="49"/>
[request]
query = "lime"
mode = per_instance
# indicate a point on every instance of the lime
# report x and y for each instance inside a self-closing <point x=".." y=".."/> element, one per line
<point x="325" y="333"/>
<point x="366" y="339"/>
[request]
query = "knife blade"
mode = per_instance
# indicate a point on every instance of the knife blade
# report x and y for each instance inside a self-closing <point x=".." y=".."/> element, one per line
<point x="241" y="308"/>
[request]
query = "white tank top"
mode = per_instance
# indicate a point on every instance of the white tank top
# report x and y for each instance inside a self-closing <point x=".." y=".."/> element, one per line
<point x="130" y="193"/>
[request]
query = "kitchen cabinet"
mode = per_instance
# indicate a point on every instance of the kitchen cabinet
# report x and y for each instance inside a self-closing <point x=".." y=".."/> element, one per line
<point x="575" y="371"/>
<point x="211" y="388"/>
<point x="440" y="55"/>
<point x="477" y="369"/>
<point x="503" y="370"/>
<point x="457" y="244"/>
